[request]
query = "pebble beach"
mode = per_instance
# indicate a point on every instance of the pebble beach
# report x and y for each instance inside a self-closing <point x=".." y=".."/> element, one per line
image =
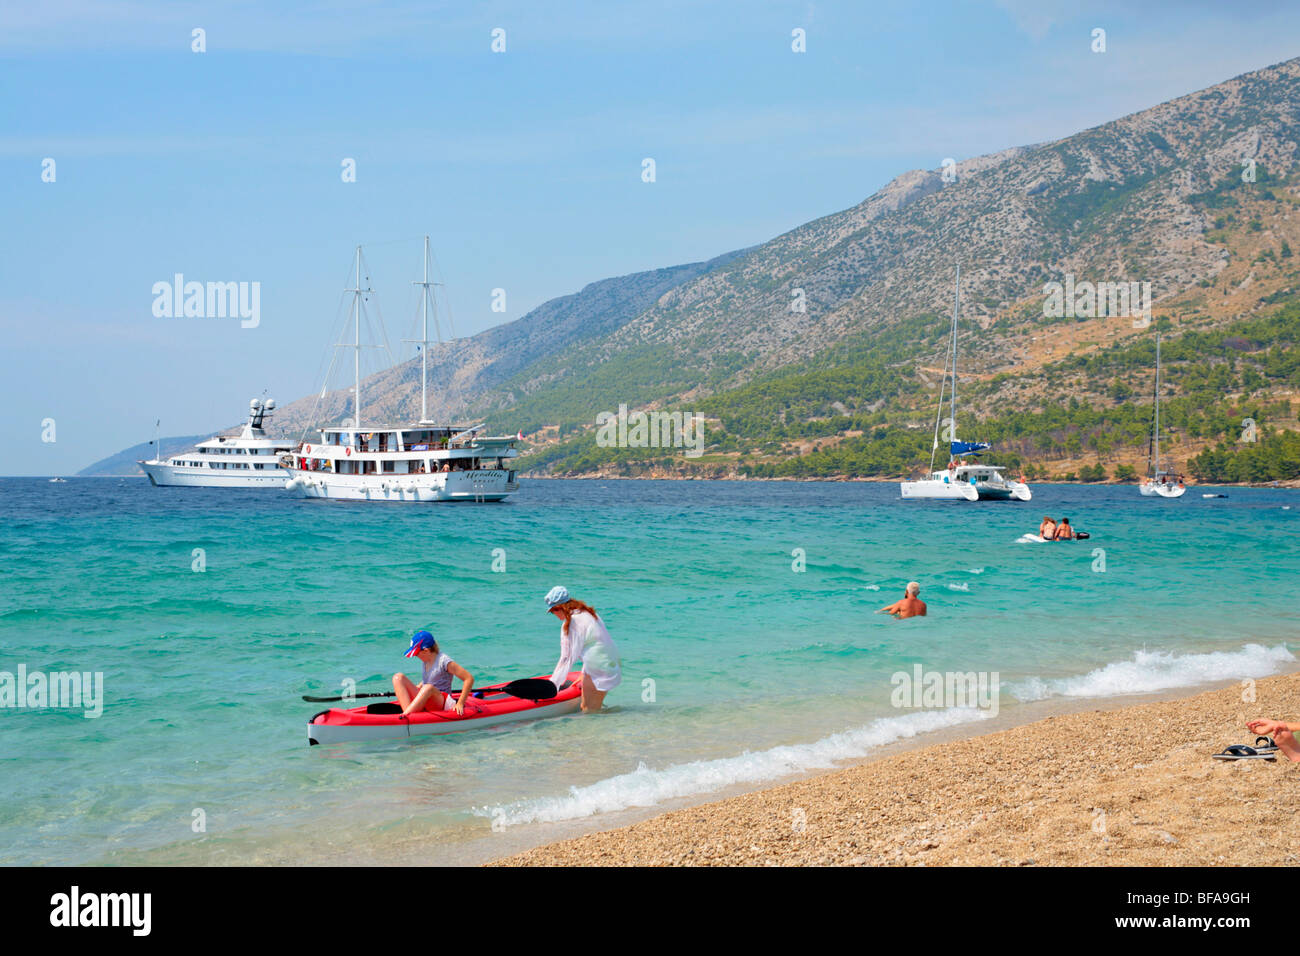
<point x="1133" y="785"/>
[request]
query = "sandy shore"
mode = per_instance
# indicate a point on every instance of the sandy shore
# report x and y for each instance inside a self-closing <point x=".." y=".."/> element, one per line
<point x="1134" y="786"/>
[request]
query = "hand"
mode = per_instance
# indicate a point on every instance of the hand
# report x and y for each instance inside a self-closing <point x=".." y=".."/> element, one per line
<point x="1265" y="727"/>
<point x="460" y="706"/>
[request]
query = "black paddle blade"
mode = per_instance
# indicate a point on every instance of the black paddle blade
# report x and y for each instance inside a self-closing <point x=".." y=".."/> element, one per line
<point x="531" y="688"/>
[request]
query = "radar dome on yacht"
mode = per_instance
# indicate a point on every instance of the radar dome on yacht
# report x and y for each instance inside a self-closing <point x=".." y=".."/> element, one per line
<point x="270" y="404"/>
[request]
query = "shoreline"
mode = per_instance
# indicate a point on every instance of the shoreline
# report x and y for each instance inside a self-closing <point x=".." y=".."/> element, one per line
<point x="1282" y="484"/>
<point x="1286" y="483"/>
<point x="1129" y="782"/>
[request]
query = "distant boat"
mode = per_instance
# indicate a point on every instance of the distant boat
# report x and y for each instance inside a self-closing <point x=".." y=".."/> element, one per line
<point x="59" y="480"/>
<point x="962" y="480"/>
<point x="1214" y="496"/>
<point x="249" y="460"/>
<point x="1159" y="483"/>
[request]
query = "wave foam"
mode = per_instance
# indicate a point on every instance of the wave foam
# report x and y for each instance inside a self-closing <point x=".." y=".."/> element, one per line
<point x="644" y="787"/>
<point x="1157" y="670"/>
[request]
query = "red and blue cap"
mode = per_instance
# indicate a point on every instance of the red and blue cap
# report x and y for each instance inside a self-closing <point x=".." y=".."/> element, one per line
<point x="421" y="640"/>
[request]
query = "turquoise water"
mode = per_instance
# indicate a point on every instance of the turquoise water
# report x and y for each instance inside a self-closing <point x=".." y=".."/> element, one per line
<point x="738" y="668"/>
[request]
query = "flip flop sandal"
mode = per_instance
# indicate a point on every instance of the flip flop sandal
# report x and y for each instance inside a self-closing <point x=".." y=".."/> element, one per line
<point x="1267" y="744"/>
<point x="1242" y="752"/>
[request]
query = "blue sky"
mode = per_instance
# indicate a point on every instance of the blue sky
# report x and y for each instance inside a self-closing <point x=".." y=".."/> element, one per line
<point x="524" y="166"/>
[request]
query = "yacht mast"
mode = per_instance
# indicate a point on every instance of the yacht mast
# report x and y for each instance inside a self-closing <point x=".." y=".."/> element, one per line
<point x="426" y="297"/>
<point x="356" y="345"/>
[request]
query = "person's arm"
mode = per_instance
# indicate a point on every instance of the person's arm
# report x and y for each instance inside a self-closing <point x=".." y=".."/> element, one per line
<point x="890" y="609"/>
<point x="566" y="656"/>
<point x="467" y="684"/>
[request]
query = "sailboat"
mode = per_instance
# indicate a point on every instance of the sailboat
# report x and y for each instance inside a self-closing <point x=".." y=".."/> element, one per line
<point x="415" y="462"/>
<point x="1159" y="483"/>
<point x="962" y="480"/>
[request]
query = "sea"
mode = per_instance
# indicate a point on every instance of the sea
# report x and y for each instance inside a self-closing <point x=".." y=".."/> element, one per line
<point x="745" y="614"/>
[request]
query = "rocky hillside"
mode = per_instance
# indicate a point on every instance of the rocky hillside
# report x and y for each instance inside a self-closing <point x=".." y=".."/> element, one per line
<point x="1115" y="203"/>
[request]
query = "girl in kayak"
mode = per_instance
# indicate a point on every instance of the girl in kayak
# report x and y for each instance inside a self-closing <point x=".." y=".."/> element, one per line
<point x="434" y="692"/>
<point x="583" y="637"/>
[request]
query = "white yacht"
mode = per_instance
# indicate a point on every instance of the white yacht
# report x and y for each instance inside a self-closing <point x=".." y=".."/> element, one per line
<point x="420" y="461"/>
<point x="1159" y="483"/>
<point x="962" y="480"/>
<point x="249" y="460"/>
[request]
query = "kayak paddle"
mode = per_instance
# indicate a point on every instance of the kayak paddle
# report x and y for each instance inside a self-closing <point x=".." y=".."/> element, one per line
<point x="531" y="688"/>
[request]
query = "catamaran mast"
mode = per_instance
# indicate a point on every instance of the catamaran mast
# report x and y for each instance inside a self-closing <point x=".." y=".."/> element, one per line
<point x="951" y="357"/>
<point x="1157" y="430"/>
<point x="956" y="300"/>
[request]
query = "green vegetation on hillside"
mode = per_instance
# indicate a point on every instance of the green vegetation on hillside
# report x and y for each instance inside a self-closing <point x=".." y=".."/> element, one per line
<point x="869" y="385"/>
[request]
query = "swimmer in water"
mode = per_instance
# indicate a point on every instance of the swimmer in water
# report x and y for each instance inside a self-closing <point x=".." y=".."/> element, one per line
<point x="909" y="606"/>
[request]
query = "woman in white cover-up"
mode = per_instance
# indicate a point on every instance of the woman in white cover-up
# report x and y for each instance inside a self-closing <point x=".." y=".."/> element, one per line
<point x="583" y="637"/>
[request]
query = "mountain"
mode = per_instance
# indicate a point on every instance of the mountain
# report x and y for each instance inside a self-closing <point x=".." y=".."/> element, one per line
<point x="1114" y="203"/>
<point x="1194" y="196"/>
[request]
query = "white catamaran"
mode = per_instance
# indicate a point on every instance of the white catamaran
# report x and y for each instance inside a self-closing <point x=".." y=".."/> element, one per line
<point x="418" y="461"/>
<point x="249" y="460"/>
<point x="962" y="480"/>
<point x="1159" y="483"/>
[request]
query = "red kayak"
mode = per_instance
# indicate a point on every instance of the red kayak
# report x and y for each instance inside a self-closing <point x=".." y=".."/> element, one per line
<point x="378" y="722"/>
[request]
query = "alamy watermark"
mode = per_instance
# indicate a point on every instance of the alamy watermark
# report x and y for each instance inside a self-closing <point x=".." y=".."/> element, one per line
<point x="946" y="689"/>
<point x="651" y="430"/>
<point x="213" y="300"/>
<point x="1086" y="300"/>
<point x="68" y="690"/>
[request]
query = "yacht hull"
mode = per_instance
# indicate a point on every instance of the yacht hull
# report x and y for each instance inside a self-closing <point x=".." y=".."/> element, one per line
<point x="939" y="490"/>
<point x="491" y="485"/>
<point x="190" y="477"/>
<point x="1150" y="489"/>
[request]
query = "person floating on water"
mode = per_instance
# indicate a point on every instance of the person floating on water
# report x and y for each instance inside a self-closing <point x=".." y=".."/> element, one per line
<point x="583" y="637"/>
<point x="1047" y="528"/>
<point x="434" y="692"/>
<point x="1283" y="735"/>
<point x="909" y="605"/>
<point x="1063" y="531"/>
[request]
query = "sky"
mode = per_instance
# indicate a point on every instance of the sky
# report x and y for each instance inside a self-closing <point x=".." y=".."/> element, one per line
<point x="524" y="165"/>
